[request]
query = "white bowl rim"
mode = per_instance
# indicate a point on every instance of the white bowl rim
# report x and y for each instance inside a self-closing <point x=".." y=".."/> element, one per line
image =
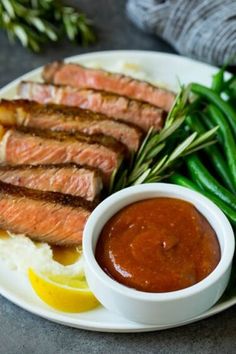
<point x="226" y="230"/>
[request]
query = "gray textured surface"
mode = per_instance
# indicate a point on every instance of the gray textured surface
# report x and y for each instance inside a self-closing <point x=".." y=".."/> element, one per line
<point x="203" y="30"/>
<point x="21" y="332"/>
<point x="114" y="30"/>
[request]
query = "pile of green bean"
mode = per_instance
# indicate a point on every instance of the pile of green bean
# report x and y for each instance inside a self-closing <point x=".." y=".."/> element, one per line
<point x="212" y="171"/>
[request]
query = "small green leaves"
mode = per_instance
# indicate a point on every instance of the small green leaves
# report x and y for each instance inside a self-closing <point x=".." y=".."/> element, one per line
<point x="35" y="22"/>
<point x="161" y="152"/>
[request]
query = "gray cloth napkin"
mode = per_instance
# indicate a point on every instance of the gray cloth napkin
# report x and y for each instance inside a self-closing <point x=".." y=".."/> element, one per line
<point x="201" y="29"/>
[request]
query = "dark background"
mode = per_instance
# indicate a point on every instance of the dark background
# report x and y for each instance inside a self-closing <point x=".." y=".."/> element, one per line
<point x="114" y="31"/>
<point x="21" y="332"/>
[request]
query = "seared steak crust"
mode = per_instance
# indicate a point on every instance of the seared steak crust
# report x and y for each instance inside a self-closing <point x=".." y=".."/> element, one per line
<point x="37" y="147"/>
<point x="43" y="216"/>
<point x="121" y="108"/>
<point x="64" y="118"/>
<point x="76" y="75"/>
<point x="51" y="197"/>
<point x="67" y="179"/>
<point x="99" y="139"/>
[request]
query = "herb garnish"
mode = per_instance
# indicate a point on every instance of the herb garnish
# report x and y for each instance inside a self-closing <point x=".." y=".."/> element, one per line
<point x="161" y="152"/>
<point x="35" y="22"/>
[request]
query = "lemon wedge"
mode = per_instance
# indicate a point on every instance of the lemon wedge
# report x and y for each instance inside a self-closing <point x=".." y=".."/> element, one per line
<point x="64" y="293"/>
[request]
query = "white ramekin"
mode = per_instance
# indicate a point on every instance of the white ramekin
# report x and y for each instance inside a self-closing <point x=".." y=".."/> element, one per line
<point x="157" y="308"/>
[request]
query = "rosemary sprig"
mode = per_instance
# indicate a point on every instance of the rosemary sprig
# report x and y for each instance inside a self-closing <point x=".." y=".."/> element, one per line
<point x="34" y="22"/>
<point x="159" y="153"/>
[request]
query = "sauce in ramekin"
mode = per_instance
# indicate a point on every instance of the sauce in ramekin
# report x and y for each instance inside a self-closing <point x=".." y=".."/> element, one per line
<point x="158" y="245"/>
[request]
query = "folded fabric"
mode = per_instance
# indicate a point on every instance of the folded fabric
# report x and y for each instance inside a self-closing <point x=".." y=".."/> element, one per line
<point x="201" y="29"/>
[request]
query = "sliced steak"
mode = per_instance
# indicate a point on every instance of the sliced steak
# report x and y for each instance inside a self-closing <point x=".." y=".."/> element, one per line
<point x="64" y="118"/>
<point x="121" y="108"/>
<point x="67" y="179"/>
<point x="43" y="216"/>
<point x="37" y="147"/>
<point x="59" y="73"/>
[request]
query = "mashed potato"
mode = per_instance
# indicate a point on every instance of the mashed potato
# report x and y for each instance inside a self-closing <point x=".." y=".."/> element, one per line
<point x="20" y="253"/>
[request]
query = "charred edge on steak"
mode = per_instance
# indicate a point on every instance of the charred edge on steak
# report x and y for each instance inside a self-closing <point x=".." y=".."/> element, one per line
<point x="59" y="165"/>
<point x="51" y="197"/>
<point x="64" y="112"/>
<point x="105" y="94"/>
<point x="50" y="70"/>
<point x="100" y="139"/>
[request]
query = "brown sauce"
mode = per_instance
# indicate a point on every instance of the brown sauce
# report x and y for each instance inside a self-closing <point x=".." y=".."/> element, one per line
<point x="65" y="255"/>
<point x="158" y="245"/>
<point x="4" y="235"/>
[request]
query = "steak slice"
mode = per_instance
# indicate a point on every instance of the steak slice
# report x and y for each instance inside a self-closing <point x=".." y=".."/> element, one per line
<point x="64" y="118"/>
<point x="38" y="147"/>
<point x="59" y="73"/>
<point x="43" y="216"/>
<point x="144" y="115"/>
<point x="67" y="179"/>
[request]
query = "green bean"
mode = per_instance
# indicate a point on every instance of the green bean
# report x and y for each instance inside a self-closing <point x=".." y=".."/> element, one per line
<point x="213" y="153"/>
<point x="227" y="137"/>
<point x="217" y="84"/>
<point x="207" y="120"/>
<point x="185" y="182"/>
<point x="210" y="125"/>
<point x="205" y="180"/>
<point x="229" y="82"/>
<point x="213" y="97"/>
<point x="196" y="105"/>
<point x="230" y="87"/>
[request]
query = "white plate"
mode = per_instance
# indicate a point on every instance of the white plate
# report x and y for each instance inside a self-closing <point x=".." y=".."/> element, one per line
<point x="163" y="68"/>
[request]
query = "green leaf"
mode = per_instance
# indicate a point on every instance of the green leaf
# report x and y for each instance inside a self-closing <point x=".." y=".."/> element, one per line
<point x="191" y="150"/>
<point x="182" y="147"/>
<point x="137" y="171"/>
<point x="166" y="132"/>
<point x="9" y="8"/>
<point x="21" y="34"/>
<point x="37" y="21"/>
<point x="112" y="180"/>
<point x="155" y="151"/>
<point x="122" y="182"/>
<point x="179" y="106"/>
<point x="204" y="137"/>
<point x="159" y="164"/>
<point x="142" y="178"/>
<point x="144" y="143"/>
